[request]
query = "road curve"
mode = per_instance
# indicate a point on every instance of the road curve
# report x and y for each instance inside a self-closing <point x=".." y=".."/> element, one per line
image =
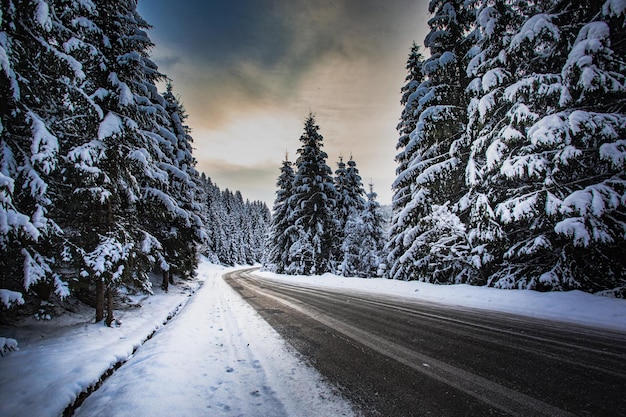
<point x="401" y="357"/>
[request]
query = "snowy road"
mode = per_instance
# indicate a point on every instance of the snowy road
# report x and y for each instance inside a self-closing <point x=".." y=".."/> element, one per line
<point x="397" y="356"/>
<point x="216" y="358"/>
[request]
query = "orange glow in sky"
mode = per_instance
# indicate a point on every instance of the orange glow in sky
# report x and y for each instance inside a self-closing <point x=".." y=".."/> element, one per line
<point x="250" y="71"/>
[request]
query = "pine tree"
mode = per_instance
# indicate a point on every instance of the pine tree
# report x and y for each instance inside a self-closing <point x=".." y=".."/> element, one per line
<point x="350" y="201"/>
<point x="213" y="227"/>
<point x="435" y="151"/>
<point x="314" y="200"/>
<point x="353" y="200"/>
<point x="412" y="94"/>
<point x="260" y="220"/>
<point x="340" y="186"/>
<point x="235" y="229"/>
<point x="546" y="153"/>
<point x="363" y="246"/>
<point x="279" y="241"/>
<point x="115" y="170"/>
<point x="38" y="82"/>
<point x="171" y="206"/>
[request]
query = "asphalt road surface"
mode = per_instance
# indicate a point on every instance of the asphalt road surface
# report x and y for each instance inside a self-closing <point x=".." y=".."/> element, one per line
<point x="399" y="357"/>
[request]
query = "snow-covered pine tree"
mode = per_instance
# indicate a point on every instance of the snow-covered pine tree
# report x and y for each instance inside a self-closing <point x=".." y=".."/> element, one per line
<point x="279" y="241"/>
<point x="363" y="246"/>
<point x="489" y="115"/>
<point x="236" y="230"/>
<point x="353" y="204"/>
<point x="490" y="69"/>
<point x="314" y="200"/>
<point x="350" y="201"/>
<point x="38" y="82"/>
<point x="434" y="154"/>
<point x="116" y="158"/>
<point x="213" y="226"/>
<point x="340" y="180"/>
<point x="241" y="224"/>
<point x="178" y="225"/>
<point x="227" y="250"/>
<point x="260" y="218"/>
<point x="412" y="92"/>
<point x="342" y="209"/>
<point x="548" y="128"/>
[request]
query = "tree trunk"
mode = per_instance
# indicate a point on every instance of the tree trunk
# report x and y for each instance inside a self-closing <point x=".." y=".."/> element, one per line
<point x="110" y="317"/>
<point x="104" y="221"/>
<point x="99" y="300"/>
<point x="165" y="283"/>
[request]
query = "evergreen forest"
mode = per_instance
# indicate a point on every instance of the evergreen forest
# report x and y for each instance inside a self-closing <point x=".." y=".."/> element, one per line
<point x="510" y="159"/>
<point x="511" y="148"/>
<point x="511" y="154"/>
<point x="98" y="183"/>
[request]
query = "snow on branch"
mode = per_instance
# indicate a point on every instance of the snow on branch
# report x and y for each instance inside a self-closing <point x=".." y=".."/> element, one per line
<point x="536" y="27"/>
<point x="35" y="268"/>
<point x="44" y="145"/>
<point x="615" y="153"/>
<point x="607" y="126"/>
<point x="614" y="8"/>
<point x="86" y="157"/>
<point x="593" y="200"/>
<point x="535" y="86"/>
<point x="550" y="130"/>
<point x="517" y="208"/>
<point x="111" y="125"/>
<point x="8" y="298"/>
<point x="42" y="15"/>
<point x="593" y="42"/>
<point x="72" y="63"/>
<point x="11" y="220"/>
<point x="5" y="65"/>
<point x="7" y="344"/>
<point x="126" y="96"/>
<point x="581" y="235"/>
<point x="430" y="174"/>
<point x="168" y="202"/>
<point x="529" y="247"/>
<point x="108" y="258"/>
<point x="525" y="165"/>
<point x="493" y="78"/>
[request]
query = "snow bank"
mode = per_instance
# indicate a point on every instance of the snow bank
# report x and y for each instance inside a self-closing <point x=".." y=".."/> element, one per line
<point x="59" y="359"/>
<point x="571" y="306"/>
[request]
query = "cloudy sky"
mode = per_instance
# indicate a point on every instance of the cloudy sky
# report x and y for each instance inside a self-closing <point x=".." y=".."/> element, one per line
<point x="250" y="71"/>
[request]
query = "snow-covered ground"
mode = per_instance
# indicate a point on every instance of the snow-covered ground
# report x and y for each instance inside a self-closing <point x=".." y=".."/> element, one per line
<point x="216" y="357"/>
<point x="58" y="359"/>
<point x="571" y="306"/>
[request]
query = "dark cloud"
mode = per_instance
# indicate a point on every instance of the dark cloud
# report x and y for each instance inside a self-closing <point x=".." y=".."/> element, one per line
<point x="249" y="71"/>
<point x="284" y="39"/>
